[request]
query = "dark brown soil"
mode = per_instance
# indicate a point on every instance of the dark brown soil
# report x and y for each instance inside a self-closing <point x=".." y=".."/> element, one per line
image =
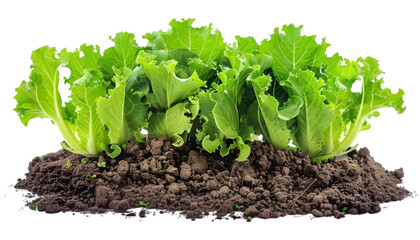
<point x="271" y="184"/>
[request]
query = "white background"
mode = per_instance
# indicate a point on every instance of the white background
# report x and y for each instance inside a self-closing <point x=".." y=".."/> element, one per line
<point x="387" y="30"/>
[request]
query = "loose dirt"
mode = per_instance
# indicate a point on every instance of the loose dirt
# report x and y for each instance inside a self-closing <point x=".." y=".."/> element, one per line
<point x="270" y="184"/>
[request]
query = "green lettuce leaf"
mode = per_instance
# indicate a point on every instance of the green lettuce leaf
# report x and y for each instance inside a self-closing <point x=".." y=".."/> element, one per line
<point x="122" y="54"/>
<point x="122" y="111"/>
<point x="225" y="114"/>
<point x="40" y="96"/>
<point x="209" y="135"/>
<point x="269" y="118"/>
<point x="352" y="109"/>
<point x="314" y="116"/>
<point x="167" y="88"/>
<point x="182" y="35"/>
<point x="291" y="51"/>
<point x="175" y="123"/>
<point x="77" y="64"/>
<point x="85" y="92"/>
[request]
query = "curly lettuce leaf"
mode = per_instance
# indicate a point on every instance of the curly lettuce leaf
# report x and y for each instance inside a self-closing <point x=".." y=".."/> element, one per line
<point x="85" y="92"/>
<point x="209" y="135"/>
<point x="314" y="116"/>
<point x="291" y="51"/>
<point x="225" y="114"/>
<point x="122" y="55"/>
<point x="78" y="64"/>
<point x="122" y="111"/>
<point x="269" y="118"/>
<point x="40" y="96"/>
<point x="175" y="123"/>
<point x="355" y="107"/>
<point x="168" y="89"/>
<point x="182" y="35"/>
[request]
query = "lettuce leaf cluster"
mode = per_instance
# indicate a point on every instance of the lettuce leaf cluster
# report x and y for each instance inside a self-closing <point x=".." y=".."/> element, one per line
<point x="189" y="85"/>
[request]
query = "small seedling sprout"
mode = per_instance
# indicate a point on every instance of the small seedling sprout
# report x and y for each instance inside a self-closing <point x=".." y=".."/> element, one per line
<point x="184" y="157"/>
<point x="32" y="206"/>
<point x="84" y="160"/>
<point x="238" y="206"/>
<point x="68" y="164"/>
<point x="249" y="217"/>
<point x="352" y="165"/>
<point x="93" y="176"/>
<point x="102" y="164"/>
<point x="278" y="208"/>
<point x="144" y="204"/>
<point x="344" y="209"/>
<point x="41" y="157"/>
<point x="124" y="146"/>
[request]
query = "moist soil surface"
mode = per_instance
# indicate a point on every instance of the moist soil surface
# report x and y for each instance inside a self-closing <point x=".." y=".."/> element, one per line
<point x="270" y="184"/>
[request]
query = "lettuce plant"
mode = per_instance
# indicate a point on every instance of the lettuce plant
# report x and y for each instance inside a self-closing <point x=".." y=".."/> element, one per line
<point x="103" y="110"/>
<point x="189" y="85"/>
<point x="332" y="113"/>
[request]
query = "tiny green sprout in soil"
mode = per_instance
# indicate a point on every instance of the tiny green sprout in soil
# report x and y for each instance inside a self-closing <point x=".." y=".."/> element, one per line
<point x="32" y="206"/>
<point x="249" y="217"/>
<point x="41" y="157"/>
<point x="144" y="204"/>
<point x="238" y="206"/>
<point x="68" y="164"/>
<point x="84" y="160"/>
<point x="344" y="209"/>
<point x="278" y="208"/>
<point x="102" y="164"/>
<point x="352" y="165"/>
<point x="93" y="176"/>
<point x="124" y="146"/>
<point x="184" y="157"/>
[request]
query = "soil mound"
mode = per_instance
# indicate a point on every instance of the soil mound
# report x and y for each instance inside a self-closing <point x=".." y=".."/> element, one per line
<point x="272" y="183"/>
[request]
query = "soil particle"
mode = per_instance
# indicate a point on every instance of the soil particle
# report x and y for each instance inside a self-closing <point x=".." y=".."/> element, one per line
<point x="285" y="171"/>
<point x="142" y="213"/>
<point x="122" y="206"/>
<point x="198" y="163"/>
<point x="363" y="152"/>
<point x="156" y="145"/>
<point x="399" y="173"/>
<point x="250" y="211"/>
<point x="53" y="208"/>
<point x="156" y="172"/>
<point x="172" y="170"/>
<point x="185" y="173"/>
<point x="174" y="188"/>
<point x="317" y="213"/>
<point x="122" y="167"/>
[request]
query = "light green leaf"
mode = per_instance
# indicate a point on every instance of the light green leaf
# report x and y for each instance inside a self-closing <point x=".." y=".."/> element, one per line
<point x="182" y="35"/>
<point x="371" y="98"/>
<point x="225" y="114"/>
<point x="247" y="44"/>
<point x="291" y="51"/>
<point x="314" y="116"/>
<point x="168" y="89"/>
<point x="113" y="151"/>
<point x="136" y="110"/>
<point x="244" y="150"/>
<point x="77" y="64"/>
<point x="40" y="96"/>
<point x="122" y="111"/>
<point x="85" y="92"/>
<point x="175" y="123"/>
<point x="269" y="118"/>
<point x="122" y="54"/>
<point x="209" y="135"/>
